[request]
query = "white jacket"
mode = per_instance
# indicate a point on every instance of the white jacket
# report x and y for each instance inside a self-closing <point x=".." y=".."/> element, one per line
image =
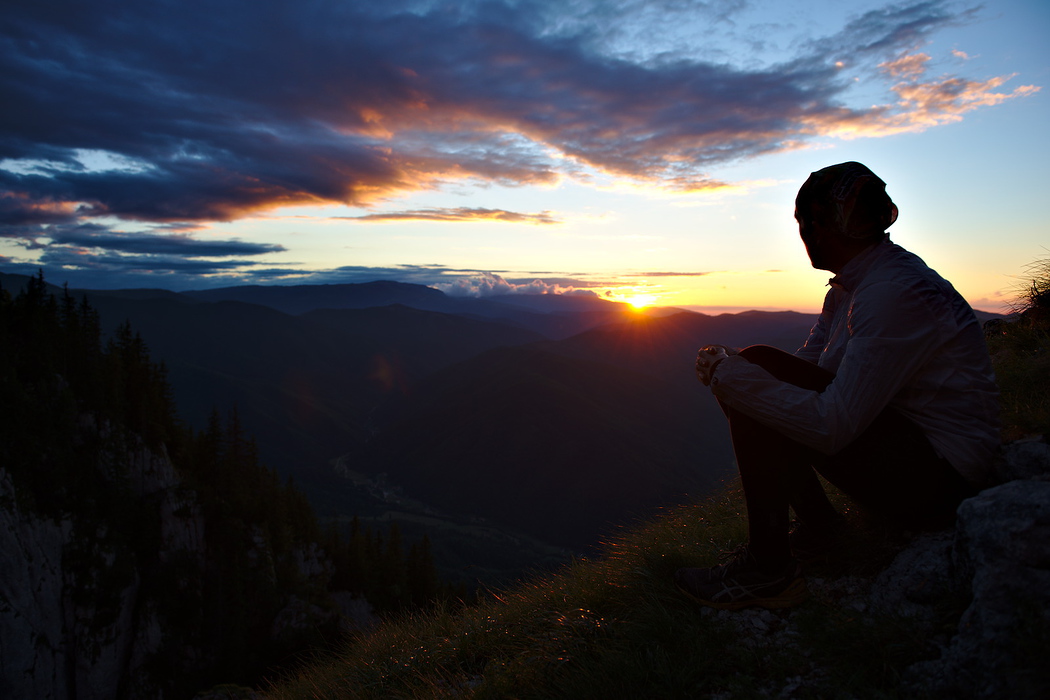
<point x="895" y="333"/>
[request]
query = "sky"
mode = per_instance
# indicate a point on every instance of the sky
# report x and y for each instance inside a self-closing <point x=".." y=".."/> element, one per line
<point x="644" y="151"/>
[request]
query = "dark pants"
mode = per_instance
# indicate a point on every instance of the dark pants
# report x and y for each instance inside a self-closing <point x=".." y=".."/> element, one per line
<point x="890" y="468"/>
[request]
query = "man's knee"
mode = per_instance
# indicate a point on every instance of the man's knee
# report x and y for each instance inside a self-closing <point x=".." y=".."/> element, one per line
<point x="765" y="354"/>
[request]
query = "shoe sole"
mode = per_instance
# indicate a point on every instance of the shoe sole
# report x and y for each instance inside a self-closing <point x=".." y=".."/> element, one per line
<point x="796" y="593"/>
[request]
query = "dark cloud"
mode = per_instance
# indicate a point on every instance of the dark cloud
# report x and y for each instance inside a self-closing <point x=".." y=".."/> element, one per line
<point x="109" y="270"/>
<point x="93" y="255"/>
<point x="889" y="30"/>
<point x="458" y="214"/>
<point x="21" y="209"/>
<point x="195" y="111"/>
<point x="227" y="108"/>
<point x="96" y="236"/>
<point x="123" y="264"/>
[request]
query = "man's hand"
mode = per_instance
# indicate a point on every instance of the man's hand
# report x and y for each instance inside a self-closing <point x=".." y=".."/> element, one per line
<point x="708" y="358"/>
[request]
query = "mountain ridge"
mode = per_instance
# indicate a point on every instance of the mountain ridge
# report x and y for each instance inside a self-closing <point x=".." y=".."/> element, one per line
<point x="371" y="385"/>
<point x="518" y="419"/>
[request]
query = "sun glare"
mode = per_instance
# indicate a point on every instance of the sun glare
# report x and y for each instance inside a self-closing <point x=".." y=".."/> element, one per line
<point x="640" y="301"/>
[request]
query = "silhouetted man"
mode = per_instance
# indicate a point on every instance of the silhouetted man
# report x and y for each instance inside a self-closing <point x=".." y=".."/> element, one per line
<point x="892" y="399"/>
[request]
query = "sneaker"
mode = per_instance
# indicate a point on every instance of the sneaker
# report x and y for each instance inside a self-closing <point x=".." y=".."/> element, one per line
<point x="812" y="545"/>
<point x="742" y="583"/>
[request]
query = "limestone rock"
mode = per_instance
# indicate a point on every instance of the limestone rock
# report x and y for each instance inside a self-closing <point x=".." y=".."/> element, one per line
<point x="1003" y="547"/>
<point x="1001" y="557"/>
<point x="73" y="619"/>
<point x="32" y="624"/>
<point x="1023" y="459"/>
<point x="918" y="577"/>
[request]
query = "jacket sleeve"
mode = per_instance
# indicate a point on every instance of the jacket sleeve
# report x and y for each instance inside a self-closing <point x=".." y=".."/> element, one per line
<point x="894" y="330"/>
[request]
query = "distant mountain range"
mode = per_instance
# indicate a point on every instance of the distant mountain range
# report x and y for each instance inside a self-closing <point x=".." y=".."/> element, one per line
<point x="557" y="417"/>
<point x="555" y="316"/>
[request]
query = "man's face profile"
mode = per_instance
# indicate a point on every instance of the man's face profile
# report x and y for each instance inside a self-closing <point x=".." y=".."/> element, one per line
<point x="807" y="230"/>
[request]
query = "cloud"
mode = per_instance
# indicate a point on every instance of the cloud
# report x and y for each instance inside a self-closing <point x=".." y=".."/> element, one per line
<point x="22" y="208"/>
<point x="192" y="112"/>
<point x="486" y="284"/>
<point x="204" y="112"/>
<point x="672" y="274"/>
<point x="454" y="281"/>
<point x="96" y="236"/>
<point x="887" y="32"/>
<point x="922" y="103"/>
<point x="946" y="100"/>
<point x="457" y="214"/>
<point x="906" y="66"/>
<point x="124" y="264"/>
<point x="90" y="253"/>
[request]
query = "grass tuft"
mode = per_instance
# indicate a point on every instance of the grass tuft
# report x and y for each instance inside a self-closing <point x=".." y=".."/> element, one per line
<point x="1020" y="352"/>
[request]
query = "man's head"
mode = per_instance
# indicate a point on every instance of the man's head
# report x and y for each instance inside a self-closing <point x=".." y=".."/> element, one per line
<point x="841" y="210"/>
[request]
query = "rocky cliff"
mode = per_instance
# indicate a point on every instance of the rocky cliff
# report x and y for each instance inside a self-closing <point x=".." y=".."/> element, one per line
<point x="75" y="617"/>
<point x="89" y="610"/>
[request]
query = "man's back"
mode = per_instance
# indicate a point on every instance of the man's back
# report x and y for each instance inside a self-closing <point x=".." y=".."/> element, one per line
<point x="887" y="301"/>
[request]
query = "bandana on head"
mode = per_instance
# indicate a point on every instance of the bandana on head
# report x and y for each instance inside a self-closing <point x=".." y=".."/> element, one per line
<point x="843" y="184"/>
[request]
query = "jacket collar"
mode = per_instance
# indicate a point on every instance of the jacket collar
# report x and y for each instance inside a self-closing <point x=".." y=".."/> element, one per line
<point x="856" y="269"/>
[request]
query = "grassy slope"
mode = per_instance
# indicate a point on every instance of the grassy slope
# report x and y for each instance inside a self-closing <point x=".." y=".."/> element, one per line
<point x="615" y="627"/>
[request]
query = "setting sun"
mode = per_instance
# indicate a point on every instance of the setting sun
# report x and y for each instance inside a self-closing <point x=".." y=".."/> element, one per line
<point x="640" y="301"/>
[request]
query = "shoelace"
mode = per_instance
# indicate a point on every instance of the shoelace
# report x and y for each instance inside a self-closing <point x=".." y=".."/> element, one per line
<point x="739" y="553"/>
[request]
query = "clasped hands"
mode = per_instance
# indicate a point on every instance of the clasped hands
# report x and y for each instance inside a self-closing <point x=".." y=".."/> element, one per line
<point x="708" y="358"/>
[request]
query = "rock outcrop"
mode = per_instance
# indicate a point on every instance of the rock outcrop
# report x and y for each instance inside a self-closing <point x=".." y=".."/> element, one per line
<point x="74" y="618"/>
<point x="33" y="662"/>
<point x="996" y="562"/>
<point x="91" y="611"/>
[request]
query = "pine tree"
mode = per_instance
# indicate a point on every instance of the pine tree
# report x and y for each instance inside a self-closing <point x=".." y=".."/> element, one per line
<point x="422" y="574"/>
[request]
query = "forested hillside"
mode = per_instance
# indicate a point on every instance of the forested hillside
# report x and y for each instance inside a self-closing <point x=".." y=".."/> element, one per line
<point x="142" y="558"/>
<point x="514" y="431"/>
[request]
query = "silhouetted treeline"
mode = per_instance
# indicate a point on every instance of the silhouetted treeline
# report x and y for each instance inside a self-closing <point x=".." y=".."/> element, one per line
<point x="380" y="569"/>
<point x="58" y="378"/>
<point x="75" y="407"/>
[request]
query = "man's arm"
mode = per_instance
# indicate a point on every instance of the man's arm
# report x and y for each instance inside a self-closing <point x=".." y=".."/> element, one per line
<point x="894" y="330"/>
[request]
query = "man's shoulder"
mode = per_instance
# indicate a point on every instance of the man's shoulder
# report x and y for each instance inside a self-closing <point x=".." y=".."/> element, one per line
<point x="894" y="263"/>
<point x="901" y="277"/>
<point x="893" y="254"/>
